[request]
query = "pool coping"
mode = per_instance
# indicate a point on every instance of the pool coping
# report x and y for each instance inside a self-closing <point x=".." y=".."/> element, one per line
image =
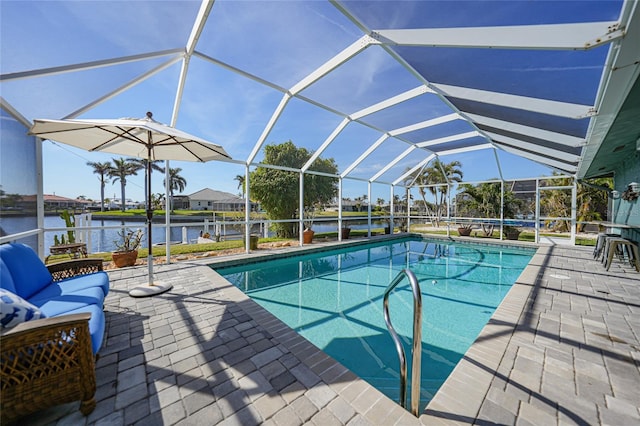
<point x="472" y="376"/>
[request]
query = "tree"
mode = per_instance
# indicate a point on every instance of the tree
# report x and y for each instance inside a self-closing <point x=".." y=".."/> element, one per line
<point x="101" y="169"/>
<point x="483" y="200"/>
<point x="119" y="171"/>
<point x="278" y="190"/>
<point x="240" y="179"/>
<point x="359" y="200"/>
<point x="438" y="174"/>
<point x="176" y="183"/>
<point x="156" y="201"/>
<point x="591" y="202"/>
<point x="142" y="164"/>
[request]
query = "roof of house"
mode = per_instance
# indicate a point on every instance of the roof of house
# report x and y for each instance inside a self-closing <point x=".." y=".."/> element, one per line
<point x="49" y="198"/>
<point x="208" y="194"/>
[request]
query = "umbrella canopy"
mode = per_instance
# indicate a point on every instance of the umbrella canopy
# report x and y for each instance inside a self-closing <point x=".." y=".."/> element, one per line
<point x="132" y="137"/>
<point x="142" y="138"/>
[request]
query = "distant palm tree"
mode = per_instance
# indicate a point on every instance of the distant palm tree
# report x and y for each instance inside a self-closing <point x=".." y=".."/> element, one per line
<point x="240" y="179"/>
<point x="101" y="169"/>
<point x="176" y="183"/>
<point x="437" y="173"/>
<point x="142" y="163"/>
<point x="119" y="171"/>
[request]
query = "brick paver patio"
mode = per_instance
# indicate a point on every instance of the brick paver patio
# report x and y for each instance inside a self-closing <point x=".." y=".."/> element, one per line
<point x="563" y="348"/>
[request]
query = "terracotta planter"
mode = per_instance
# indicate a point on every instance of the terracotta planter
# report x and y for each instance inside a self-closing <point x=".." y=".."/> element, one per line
<point x="307" y="236"/>
<point x="464" y="232"/>
<point x="124" y="258"/>
<point x="512" y="234"/>
<point x="253" y="242"/>
<point x="345" y="233"/>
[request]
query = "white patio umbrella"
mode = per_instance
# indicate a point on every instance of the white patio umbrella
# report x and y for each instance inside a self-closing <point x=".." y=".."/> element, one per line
<point x="134" y="137"/>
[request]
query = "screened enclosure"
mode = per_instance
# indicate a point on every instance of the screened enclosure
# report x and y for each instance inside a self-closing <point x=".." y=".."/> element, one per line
<point x="529" y="98"/>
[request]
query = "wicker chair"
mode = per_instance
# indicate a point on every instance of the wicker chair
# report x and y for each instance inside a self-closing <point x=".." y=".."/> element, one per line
<point x="49" y="361"/>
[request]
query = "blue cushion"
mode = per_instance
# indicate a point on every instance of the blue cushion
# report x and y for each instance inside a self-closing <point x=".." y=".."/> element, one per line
<point x="15" y="310"/>
<point x="96" y="324"/>
<point x="58" y="304"/>
<point x="28" y="272"/>
<point x="98" y="279"/>
<point x="6" y="280"/>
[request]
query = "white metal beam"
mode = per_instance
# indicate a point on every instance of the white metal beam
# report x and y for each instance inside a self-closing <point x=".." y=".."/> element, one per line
<point x="539" y="159"/>
<point x="414" y="169"/>
<point x="465" y="149"/>
<point x="364" y="155"/>
<point x="393" y="163"/>
<point x="272" y="121"/>
<point x="331" y="64"/>
<point x="198" y="25"/>
<point x="446" y="139"/>
<point x="5" y="105"/>
<point x="239" y="72"/>
<point x="547" y="135"/>
<point x="517" y="143"/>
<point x="425" y="124"/>
<point x="90" y="65"/>
<point x="544" y="106"/>
<point x="196" y="30"/>
<point x="123" y="88"/>
<point x="409" y="94"/>
<point x="574" y="36"/>
<point x="326" y="143"/>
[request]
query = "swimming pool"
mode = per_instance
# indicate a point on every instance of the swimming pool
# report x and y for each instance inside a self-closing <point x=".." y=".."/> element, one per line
<point x="334" y="299"/>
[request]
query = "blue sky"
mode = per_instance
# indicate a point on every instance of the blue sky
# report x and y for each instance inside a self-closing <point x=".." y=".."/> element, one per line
<point x="280" y="42"/>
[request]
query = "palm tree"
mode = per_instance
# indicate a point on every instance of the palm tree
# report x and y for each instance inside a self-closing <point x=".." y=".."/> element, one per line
<point x="240" y="179"/>
<point x="176" y="182"/>
<point x="591" y="202"/>
<point x="101" y="169"/>
<point x="142" y="164"/>
<point x="441" y="173"/>
<point x="119" y="171"/>
<point x="438" y="173"/>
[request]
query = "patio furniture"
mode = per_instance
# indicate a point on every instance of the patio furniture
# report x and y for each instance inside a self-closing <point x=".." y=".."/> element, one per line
<point x="620" y="245"/>
<point x="600" y="243"/>
<point x="74" y="250"/>
<point x="51" y="360"/>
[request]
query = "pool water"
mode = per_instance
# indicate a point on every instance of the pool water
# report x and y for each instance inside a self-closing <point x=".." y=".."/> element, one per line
<point x="334" y="299"/>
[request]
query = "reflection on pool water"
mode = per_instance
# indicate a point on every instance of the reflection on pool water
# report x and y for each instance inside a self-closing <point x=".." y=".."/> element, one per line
<point x="334" y="299"/>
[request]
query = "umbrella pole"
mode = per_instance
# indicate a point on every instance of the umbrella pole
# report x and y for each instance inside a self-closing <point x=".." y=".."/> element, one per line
<point x="149" y="213"/>
<point x="152" y="287"/>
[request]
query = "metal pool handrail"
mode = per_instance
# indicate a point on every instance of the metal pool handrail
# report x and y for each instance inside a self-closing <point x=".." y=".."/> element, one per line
<point x="417" y="340"/>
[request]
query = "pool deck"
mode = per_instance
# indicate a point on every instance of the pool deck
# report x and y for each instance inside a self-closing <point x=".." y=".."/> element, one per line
<point x="562" y="348"/>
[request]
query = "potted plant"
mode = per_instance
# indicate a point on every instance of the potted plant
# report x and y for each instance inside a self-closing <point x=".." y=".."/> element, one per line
<point x="126" y="252"/>
<point x="388" y="227"/>
<point x="253" y="242"/>
<point x="464" y="230"/>
<point x="307" y="234"/>
<point x="511" y="232"/>
<point x="345" y="232"/>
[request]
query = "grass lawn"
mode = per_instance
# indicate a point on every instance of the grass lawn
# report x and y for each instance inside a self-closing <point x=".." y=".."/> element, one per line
<point x="524" y="236"/>
<point x="182" y="249"/>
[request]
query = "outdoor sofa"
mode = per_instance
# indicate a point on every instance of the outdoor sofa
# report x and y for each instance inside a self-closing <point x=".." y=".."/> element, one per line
<point x="52" y="328"/>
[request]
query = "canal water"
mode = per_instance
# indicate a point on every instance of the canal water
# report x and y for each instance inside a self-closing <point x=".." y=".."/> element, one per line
<point x="103" y="240"/>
